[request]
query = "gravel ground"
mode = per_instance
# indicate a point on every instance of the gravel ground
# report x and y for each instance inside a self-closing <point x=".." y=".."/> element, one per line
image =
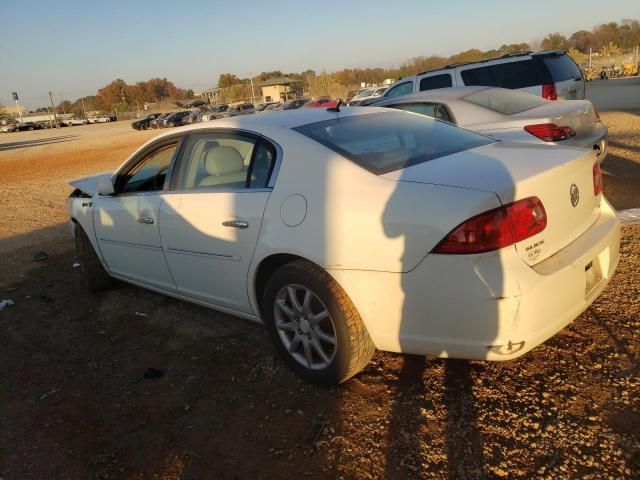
<point x="75" y="402"/>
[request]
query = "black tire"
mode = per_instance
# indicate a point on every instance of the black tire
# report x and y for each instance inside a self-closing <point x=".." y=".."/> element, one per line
<point x="353" y="346"/>
<point x="95" y="276"/>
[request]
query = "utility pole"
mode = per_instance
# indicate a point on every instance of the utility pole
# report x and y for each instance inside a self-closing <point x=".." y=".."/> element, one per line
<point x="590" y="50"/>
<point x="84" y="111"/>
<point x="53" y="109"/>
<point x="253" y="98"/>
<point x="62" y="104"/>
<point x="15" y="98"/>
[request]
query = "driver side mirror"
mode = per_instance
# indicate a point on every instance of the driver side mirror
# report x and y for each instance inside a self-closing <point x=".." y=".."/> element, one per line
<point x="105" y="186"/>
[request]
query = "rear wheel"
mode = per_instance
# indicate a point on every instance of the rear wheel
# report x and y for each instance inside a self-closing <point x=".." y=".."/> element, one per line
<point x="314" y="325"/>
<point x="95" y="276"/>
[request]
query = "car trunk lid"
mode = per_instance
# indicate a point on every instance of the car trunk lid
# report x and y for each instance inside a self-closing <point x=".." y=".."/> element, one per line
<point x="562" y="178"/>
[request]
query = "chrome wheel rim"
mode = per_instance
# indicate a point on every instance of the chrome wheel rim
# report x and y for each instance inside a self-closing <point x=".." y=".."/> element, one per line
<point x="305" y="326"/>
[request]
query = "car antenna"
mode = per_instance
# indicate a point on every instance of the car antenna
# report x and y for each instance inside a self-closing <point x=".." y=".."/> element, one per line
<point x="336" y="108"/>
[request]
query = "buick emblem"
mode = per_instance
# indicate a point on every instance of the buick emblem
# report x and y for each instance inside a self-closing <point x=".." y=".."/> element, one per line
<point x="574" y="193"/>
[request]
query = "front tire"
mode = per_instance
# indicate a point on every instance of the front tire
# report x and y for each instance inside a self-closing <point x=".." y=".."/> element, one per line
<point x="95" y="276"/>
<point x="314" y="325"/>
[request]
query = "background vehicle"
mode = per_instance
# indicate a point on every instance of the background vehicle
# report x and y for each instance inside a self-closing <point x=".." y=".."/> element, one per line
<point x="215" y="112"/>
<point x="293" y="104"/>
<point x="77" y="121"/>
<point x="511" y="115"/>
<point x="157" y="122"/>
<point x="370" y="93"/>
<point x="23" y="126"/>
<point x="451" y="225"/>
<point x="12" y="127"/>
<point x="551" y="74"/>
<point x="261" y="106"/>
<point x="102" y="119"/>
<point x="174" y="119"/>
<point x="244" y="109"/>
<point x="144" y="122"/>
<point x="320" y="102"/>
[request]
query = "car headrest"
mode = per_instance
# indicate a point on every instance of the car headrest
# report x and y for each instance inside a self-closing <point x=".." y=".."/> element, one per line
<point x="222" y="160"/>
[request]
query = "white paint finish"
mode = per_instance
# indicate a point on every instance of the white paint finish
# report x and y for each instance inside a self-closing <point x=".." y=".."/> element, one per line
<point x="208" y="260"/>
<point x="293" y="210"/>
<point x="130" y="248"/>
<point x="89" y="185"/>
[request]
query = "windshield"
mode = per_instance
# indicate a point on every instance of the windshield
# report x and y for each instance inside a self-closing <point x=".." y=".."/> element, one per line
<point x="365" y="93"/>
<point x="507" y="102"/>
<point x="384" y="142"/>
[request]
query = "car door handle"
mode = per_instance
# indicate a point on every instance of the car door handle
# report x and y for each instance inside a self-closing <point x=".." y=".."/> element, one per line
<point x="236" y="224"/>
<point x="147" y="220"/>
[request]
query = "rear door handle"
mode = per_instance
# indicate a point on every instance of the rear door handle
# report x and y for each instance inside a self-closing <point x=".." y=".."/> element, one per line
<point x="236" y="224"/>
<point x="146" y="220"/>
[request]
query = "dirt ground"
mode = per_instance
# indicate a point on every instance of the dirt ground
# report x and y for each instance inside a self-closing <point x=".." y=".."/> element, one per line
<point x="76" y="403"/>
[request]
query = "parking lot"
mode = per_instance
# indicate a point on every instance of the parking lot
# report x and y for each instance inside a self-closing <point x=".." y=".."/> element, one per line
<point x="217" y="403"/>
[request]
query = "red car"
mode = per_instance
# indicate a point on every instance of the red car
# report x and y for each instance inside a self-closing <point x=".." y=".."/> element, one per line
<point x="321" y="102"/>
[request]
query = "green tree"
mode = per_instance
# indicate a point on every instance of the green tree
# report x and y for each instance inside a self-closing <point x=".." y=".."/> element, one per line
<point x="554" y="41"/>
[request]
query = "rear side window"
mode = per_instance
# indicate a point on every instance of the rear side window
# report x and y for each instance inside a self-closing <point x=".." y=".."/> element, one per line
<point x="401" y="89"/>
<point x="507" y="102"/>
<point x="519" y="74"/>
<point x="433" y="110"/>
<point x="561" y="67"/>
<point x="384" y="142"/>
<point x="436" y="81"/>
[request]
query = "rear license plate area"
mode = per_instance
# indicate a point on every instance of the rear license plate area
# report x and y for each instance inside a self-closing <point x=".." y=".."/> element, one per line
<point x="592" y="275"/>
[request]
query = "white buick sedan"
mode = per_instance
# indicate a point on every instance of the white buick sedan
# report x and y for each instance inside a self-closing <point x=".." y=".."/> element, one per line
<point x="346" y="231"/>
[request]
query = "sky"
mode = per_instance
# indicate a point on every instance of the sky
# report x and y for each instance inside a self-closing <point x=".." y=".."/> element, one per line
<point x="73" y="47"/>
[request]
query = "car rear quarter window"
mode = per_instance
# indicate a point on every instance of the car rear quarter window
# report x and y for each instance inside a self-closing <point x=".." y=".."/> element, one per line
<point x="434" y="110"/>
<point x="384" y="142"/>
<point x="561" y="67"/>
<point x="436" y="81"/>
<point x="517" y="74"/>
<point x="507" y="102"/>
<point x="400" y="89"/>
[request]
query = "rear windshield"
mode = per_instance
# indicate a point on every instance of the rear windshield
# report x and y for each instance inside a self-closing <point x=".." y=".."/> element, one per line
<point x="384" y="142"/>
<point x="561" y="67"/>
<point x="507" y="102"/>
<point x="517" y="74"/>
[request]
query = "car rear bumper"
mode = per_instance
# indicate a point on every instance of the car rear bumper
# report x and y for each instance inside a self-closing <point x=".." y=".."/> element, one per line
<point x="490" y="306"/>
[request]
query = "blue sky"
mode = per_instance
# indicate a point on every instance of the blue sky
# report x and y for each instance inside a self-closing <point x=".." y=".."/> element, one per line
<point x="74" y="47"/>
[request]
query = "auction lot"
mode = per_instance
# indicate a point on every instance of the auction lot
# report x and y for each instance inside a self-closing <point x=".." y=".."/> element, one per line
<point x="75" y="402"/>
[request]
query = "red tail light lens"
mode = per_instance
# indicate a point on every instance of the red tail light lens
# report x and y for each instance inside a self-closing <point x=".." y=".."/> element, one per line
<point x="550" y="132"/>
<point x="597" y="179"/>
<point x="549" y="91"/>
<point x="597" y="115"/>
<point x="497" y="228"/>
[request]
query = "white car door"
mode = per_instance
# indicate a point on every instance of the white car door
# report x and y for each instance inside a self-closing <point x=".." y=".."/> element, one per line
<point x="211" y="222"/>
<point x="126" y="223"/>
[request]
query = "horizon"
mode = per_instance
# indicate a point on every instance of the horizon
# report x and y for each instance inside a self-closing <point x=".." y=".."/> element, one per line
<point x="160" y="39"/>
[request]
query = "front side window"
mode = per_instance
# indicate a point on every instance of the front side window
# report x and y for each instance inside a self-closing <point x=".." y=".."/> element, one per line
<point x="434" y="110"/>
<point x="221" y="160"/>
<point x="402" y="89"/>
<point x="436" y="81"/>
<point x="150" y="174"/>
<point x="384" y="142"/>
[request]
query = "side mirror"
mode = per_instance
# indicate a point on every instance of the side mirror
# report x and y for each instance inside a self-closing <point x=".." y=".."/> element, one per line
<point x="105" y="186"/>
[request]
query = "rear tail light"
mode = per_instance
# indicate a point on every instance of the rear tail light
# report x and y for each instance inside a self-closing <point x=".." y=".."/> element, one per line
<point x="597" y="179"/>
<point x="497" y="228"/>
<point x="549" y="91"/>
<point x="550" y="132"/>
<point x="597" y="115"/>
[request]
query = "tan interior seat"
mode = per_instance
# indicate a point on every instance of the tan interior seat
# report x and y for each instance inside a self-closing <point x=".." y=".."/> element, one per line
<point x="225" y="167"/>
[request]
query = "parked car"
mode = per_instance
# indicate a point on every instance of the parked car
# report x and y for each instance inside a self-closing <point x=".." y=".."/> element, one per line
<point x="551" y="74"/>
<point x="24" y="126"/>
<point x="294" y="104"/>
<point x="144" y="123"/>
<point x="367" y="94"/>
<point x="215" y="112"/>
<point x="392" y="230"/>
<point x="102" y="119"/>
<point x="193" y="117"/>
<point x="320" y="102"/>
<point x="511" y="116"/>
<point x="244" y="109"/>
<point x="174" y="119"/>
<point x="261" y="106"/>
<point x="274" y="107"/>
<point x="77" y="121"/>
<point x="156" y="122"/>
<point x="12" y="127"/>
